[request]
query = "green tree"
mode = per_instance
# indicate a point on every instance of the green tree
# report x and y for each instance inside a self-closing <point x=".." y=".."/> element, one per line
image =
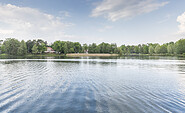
<point x="84" y="47"/>
<point x="1" y="44"/>
<point x="65" y="49"/>
<point x="71" y="50"/>
<point x="123" y="49"/>
<point x="22" y="50"/>
<point x="14" y="47"/>
<point x="136" y="49"/>
<point x="163" y="49"/>
<point x="92" y="48"/>
<point x="145" y="49"/>
<point x="97" y="49"/>
<point x="140" y="48"/>
<point x="43" y="48"/>
<point x="107" y="48"/>
<point x="151" y="49"/>
<point x="77" y="47"/>
<point x="57" y="46"/>
<point x="157" y="49"/>
<point x="180" y="46"/>
<point x="69" y="46"/>
<point x="35" y="49"/>
<point x="114" y="48"/>
<point x="30" y="45"/>
<point x="11" y="46"/>
<point x="170" y="49"/>
<point x="120" y="51"/>
<point x="3" y="49"/>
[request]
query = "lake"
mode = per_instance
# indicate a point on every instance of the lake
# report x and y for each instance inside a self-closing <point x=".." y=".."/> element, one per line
<point x="92" y="84"/>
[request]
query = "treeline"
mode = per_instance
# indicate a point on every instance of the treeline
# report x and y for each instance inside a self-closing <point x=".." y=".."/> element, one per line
<point x="13" y="46"/>
<point x="167" y="48"/>
<point x="76" y="47"/>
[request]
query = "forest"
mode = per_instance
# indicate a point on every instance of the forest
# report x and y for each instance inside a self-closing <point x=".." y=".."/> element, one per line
<point x="12" y="46"/>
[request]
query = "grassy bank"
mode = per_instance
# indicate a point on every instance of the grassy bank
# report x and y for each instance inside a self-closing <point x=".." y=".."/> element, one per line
<point x="45" y="55"/>
<point x="4" y="55"/>
<point x="84" y="54"/>
<point x="180" y="55"/>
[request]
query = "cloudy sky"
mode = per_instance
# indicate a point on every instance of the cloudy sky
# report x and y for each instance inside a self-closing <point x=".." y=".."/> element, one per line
<point x="87" y="21"/>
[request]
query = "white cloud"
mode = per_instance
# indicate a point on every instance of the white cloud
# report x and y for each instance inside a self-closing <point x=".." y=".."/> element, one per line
<point x="181" y="20"/>
<point x="121" y="9"/>
<point x="165" y="19"/>
<point x="28" y="23"/>
<point x="64" y="14"/>
<point x="105" y="28"/>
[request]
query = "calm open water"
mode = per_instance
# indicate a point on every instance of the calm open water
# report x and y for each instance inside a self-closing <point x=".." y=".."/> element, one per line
<point x="130" y="85"/>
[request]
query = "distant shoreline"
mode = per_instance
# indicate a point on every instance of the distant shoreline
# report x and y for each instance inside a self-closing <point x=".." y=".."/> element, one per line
<point x="40" y="47"/>
<point x="88" y="55"/>
<point x="84" y="54"/>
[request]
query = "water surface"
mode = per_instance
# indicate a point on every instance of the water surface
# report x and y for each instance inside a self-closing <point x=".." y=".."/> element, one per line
<point x="91" y="84"/>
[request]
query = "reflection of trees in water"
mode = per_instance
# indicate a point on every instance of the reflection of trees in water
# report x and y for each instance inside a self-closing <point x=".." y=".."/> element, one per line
<point x="181" y="68"/>
<point x="101" y="63"/>
<point x="11" y="62"/>
<point x="31" y="57"/>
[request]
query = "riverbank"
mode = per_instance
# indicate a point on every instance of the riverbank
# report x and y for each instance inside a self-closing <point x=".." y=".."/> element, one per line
<point x="46" y="55"/>
<point x="84" y="54"/>
<point x="4" y="55"/>
<point x="178" y="55"/>
<point x="87" y="55"/>
<point x="31" y="56"/>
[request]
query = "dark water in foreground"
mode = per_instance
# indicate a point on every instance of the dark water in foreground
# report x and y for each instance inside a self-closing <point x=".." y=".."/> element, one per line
<point x="130" y="85"/>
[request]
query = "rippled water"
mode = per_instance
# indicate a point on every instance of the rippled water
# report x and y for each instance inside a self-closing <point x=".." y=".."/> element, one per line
<point x="92" y="85"/>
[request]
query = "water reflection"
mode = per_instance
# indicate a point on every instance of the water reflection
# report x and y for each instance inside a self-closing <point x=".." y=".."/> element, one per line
<point x="92" y="85"/>
<point x="94" y="57"/>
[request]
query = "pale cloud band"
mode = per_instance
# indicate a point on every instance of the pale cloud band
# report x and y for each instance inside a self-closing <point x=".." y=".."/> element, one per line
<point x="105" y="28"/>
<point x="120" y="9"/>
<point x="28" y="23"/>
<point x="181" y="20"/>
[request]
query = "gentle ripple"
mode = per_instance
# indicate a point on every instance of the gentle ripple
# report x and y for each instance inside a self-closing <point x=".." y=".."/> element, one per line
<point x="92" y="85"/>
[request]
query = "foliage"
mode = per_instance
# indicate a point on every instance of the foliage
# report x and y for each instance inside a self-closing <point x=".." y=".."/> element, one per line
<point x="35" y="49"/>
<point x="22" y="50"/>
<point x="163" y="49"/>
<point x="2" y="48"/>
<point x="157" y="49"/>
<point x="65" y="49"/>
<point x="180" y="46"/>
<point x="84" y="48"/>
<point x="30" y="45"/>
<point x="170" y="48"/>
<point x="77" y="47"/>
<point x="12" y="46"/>
<point x="151" y="49"/>
<point x="41" y="45"/>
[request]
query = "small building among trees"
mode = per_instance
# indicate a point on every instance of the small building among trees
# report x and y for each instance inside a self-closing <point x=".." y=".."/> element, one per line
<point x="49" y="50"/>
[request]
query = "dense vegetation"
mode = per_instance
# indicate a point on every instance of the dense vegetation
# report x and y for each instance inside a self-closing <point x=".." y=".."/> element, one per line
<point x="13" y="46"/>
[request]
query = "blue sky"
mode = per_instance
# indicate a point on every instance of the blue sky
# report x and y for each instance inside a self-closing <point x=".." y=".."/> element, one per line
<point x="87" y="21"/>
